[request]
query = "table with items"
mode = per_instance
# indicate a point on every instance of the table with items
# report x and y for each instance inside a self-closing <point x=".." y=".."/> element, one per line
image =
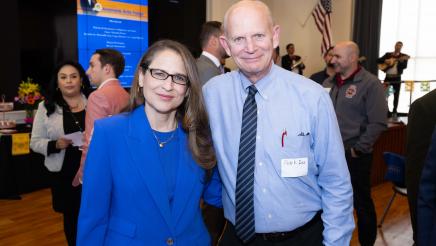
<point x="21" y="170"/>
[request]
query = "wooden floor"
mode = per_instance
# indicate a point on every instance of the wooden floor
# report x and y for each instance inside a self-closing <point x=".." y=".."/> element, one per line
<point x="396" y="229"/>
<point x="31" y="221"/>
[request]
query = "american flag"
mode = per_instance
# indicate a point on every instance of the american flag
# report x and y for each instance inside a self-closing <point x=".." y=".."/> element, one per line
<point x="321" y="15"/>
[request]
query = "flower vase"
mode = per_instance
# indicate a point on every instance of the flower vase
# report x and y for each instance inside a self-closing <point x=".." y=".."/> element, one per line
<point x="29" y="116"/>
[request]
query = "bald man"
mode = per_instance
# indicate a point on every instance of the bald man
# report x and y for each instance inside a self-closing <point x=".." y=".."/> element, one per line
<point x="278" y="145"/>
<point x="361" y="108"/>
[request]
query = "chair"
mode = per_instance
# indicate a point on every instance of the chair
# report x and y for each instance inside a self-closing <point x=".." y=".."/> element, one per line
<point x="396" y="174"/>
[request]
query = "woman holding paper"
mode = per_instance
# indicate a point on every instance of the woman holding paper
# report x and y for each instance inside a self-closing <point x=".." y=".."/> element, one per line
<point x="62" y="113"/>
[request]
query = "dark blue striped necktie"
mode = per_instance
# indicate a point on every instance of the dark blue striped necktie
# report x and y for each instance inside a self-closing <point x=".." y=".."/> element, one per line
<point x="244" y="224"/>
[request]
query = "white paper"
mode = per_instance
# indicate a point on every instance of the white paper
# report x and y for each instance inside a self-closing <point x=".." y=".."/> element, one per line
<point x="296" y="167"/>
<point x="76" y="137"/>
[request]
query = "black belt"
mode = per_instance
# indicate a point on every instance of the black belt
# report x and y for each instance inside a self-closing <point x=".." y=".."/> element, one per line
<point x="280" y="236"/>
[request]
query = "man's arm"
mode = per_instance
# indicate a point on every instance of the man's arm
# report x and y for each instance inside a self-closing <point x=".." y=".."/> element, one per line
<point x="427" y="196"/>
<point x="418" y="137"/>
<point x="96" y="108"/>
<point x="376" y="110"/>
<point x="402" y="62"/>
<point x="382" y="59"/>
<point x="334" y="177"/>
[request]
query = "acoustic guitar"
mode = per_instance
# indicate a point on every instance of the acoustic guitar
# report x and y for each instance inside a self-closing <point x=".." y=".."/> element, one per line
<point x="297" y="64"/>
<point x="391" y="62"/>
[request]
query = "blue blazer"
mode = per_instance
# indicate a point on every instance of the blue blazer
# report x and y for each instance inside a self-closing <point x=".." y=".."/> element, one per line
<point x="426" y="218"/>
<point x="124" y="196"/>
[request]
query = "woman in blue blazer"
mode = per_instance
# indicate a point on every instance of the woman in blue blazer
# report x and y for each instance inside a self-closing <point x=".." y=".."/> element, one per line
<point x="146" y="170"/>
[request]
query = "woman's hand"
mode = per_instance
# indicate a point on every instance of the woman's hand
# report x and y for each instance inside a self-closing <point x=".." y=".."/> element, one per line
<point x="63" y="143"/>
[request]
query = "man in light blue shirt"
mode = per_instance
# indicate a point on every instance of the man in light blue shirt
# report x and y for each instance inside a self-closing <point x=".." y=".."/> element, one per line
<point x="299" y="165"/>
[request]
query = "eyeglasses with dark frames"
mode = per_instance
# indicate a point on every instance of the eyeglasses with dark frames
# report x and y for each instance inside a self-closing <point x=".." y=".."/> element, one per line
<point x="160" y="74"/>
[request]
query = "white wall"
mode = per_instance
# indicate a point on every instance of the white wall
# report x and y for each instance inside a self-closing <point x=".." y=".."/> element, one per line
<point x="290" y="15"/>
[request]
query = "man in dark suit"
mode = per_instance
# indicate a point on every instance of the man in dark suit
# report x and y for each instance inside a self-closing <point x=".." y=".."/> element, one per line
<point x="421" y="121"/>
<point x="393" y="64"/>
<point x="427" y="198"/>
<point x="291" y="61"/>
<point x="213" y="55"/>
<point x="211" y="63"/>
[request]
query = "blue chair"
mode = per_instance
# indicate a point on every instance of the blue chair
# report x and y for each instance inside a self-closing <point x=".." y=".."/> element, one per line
<point x="396" y="174"/>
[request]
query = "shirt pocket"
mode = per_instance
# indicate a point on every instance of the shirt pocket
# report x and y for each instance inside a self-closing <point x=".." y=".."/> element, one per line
<point x="295" y="143"/>
<point x="289" y="144"/>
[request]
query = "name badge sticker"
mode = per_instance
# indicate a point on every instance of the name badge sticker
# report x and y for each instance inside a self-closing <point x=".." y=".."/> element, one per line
<point x="296" y="167"/>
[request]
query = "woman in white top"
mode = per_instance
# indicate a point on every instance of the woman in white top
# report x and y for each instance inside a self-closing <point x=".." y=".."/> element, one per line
<point x="62" y="112"/>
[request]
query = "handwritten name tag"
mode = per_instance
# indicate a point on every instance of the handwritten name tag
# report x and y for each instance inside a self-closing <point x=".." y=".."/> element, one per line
<point x="296" y="167"/>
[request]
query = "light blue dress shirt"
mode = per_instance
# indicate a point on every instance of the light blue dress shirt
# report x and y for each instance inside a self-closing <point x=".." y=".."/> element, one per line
<point x="295" y="120"/>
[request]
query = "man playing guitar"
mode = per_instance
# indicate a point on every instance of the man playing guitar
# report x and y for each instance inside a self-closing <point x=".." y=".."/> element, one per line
<point x="291" y="61"/>
<point x="393" y="64"/>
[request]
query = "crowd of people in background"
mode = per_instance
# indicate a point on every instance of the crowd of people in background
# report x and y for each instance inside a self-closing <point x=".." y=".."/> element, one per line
<point x="196" y="154"/>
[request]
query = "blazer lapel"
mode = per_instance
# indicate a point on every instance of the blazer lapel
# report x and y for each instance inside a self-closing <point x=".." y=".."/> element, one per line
<point x="146" y="161"/>
<point x="187" y="177"/>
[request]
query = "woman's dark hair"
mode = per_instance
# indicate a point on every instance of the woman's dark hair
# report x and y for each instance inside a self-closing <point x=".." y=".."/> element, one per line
<point x="191" y="112"/>
<point x="54" y="95"/>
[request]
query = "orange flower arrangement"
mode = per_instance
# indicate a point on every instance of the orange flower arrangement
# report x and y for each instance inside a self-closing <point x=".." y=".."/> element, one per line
<point x="29" y="95"/>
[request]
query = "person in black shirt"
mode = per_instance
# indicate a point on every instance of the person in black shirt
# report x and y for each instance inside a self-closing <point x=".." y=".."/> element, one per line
<point x="393" y="64"/>
<point x="63" y="112"/>
<point x="291" y="61"/>
<point x="329" y="69"/>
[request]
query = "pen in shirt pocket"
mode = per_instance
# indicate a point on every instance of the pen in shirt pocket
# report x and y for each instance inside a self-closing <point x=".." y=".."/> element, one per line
<point x="284" y="133"/>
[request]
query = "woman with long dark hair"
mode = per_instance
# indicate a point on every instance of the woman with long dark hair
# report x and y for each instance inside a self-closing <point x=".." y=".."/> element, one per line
<point x="62" y="112"/>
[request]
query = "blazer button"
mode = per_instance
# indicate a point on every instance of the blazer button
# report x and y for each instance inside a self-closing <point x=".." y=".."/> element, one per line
<point x="170" y="241"/>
